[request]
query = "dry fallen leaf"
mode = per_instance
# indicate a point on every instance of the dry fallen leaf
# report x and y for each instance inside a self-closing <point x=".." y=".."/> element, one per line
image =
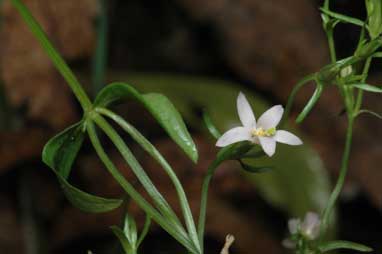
<point x="29" y="76"/>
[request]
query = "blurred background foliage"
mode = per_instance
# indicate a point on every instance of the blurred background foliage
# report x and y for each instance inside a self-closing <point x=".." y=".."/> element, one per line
<point x="200" y="54"/>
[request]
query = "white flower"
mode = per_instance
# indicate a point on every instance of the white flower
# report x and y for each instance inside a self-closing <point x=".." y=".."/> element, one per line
<point x="263" y="132"/>
<point x="309" y="227"/>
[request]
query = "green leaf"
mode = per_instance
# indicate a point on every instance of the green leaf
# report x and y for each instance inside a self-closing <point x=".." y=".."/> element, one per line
<point x="234" y="151"/>
<point x="100" y="57"/>
<point x="334" y="245"/>
<point x="343" y="18"/>
<point x="365" y="111"/>
<point x="368" y="88"/>
<point x="255" y="152"/>
<point x="255" y="169"/>
<point x="311" y="103"/>
<point x="210" y="126"/>
<point x="53" y="54"/>
<point x="59" y="154"/>
<point x="327" y="22"/>
<point x="297" y="184"/>
<point x="378" y="55"/>
<point x="130" y="229"/>
<point x="374" y="14"/>
<point x="85" y="201"/>
<point x="159" y="106"/>
<point x="368" y="48"/>
<point x="145" y="230"/>
<point x="126" y="245"/>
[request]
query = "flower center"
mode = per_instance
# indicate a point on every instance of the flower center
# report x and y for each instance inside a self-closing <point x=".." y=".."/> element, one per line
<point x="260" y="132"/>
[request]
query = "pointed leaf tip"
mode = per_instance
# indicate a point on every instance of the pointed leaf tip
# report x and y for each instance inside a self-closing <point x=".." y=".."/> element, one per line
<point x="87" y="202"/>
<point x="161" y="109"/>
<point x="59" y="154"/>
<point x="334" y="245"/>
<point x="60" y="151"/>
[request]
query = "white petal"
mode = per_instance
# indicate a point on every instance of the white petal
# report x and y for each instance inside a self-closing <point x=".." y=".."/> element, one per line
<point x="311" y="225"/>
<point x="268" y="144"/>
<point x="234" y="135"/>
<point x="287" y="138"/>
<point x="245" y="112"/>
<point x="293" y="225"/>
<point x="289" y="244"/>
<point x="271" y="118"/>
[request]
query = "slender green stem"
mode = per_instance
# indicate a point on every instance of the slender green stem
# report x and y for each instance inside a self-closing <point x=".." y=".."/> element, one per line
<point x="149" y="186"/>
<point x="152" y="212"/>
<point x="100" y="57"/>
<point x="341" y="178"/>
<point x="149" y="148"/>
<point x="332" y="47"/>
<point x="365" y="71"/>
<point x="329" y="34"/>
<point x="145" y="230"/>
<point x="58" y="61"/>
<point x="312" y="102"/>
<point x="203" y="201"/>
<point x="294" y="92"/>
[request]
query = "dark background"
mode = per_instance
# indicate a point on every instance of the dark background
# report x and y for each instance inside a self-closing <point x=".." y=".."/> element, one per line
<point x="264" y="46"/>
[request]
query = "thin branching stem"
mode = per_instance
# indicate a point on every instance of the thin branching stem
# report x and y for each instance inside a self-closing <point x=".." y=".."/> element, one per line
<point x="180" y="236"/>
<point x="135" y="166"/>
<point x="148" y="147"/>
<point x="58" y="61"/>
<point x="341" y="178"/>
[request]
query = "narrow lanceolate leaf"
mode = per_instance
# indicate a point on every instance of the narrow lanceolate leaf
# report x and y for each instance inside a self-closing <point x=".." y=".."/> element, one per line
<point x="343" y="18"/>
<point x="126" y="245"/>
<point x="85" y="201"/>
<point x="130" y="229"/>
<point x="374" y="14"/>
<point x="59" y="154"/>
<point x="159" y="106"/>
<point x="334" y="245"/>
<point x="368" y="88"/>
<point x="365" y="111"/>
<point x="145" y="230"/>
<point x="210" y="126"/>
<point x="234" y="151"/>
<point x="254" y="169"/>
<point x="311" y="103"/>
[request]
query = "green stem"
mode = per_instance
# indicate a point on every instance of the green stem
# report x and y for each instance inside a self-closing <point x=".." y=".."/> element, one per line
<point x="332" y="47"/>
<point x="312" y="102"/>
<point x="329" y="35"/>
<point x="58" y="61"/>
<point x="366" y="69"/>
<point x="149" y="148"/>
<point x="145" y="230"/>
<point x="180" y="236"/>
<point x="294" y="92"/>
<point x="149" y="186"/>
<point x="341" y="178"/>
<point x="100" y="57"/>
<point x="203" y="201"/>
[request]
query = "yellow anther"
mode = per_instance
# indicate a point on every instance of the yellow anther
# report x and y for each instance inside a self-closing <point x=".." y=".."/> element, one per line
<point x="260" y="132"/>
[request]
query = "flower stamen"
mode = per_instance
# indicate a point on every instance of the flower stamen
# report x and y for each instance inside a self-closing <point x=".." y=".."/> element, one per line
<point x="260" y="132"/>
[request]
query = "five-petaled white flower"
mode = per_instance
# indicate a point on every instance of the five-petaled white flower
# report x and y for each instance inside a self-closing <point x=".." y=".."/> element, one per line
<point x="309" y="228"/>
<point x="263" y="132"/>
